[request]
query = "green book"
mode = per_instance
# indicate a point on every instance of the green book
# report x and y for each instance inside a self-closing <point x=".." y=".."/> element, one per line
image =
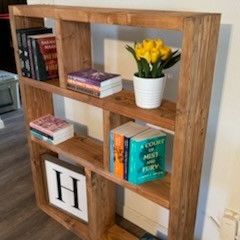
<point x="147" y="156"/>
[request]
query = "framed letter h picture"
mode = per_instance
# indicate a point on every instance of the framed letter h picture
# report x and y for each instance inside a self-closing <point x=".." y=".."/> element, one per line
<point x="66" y="187"/>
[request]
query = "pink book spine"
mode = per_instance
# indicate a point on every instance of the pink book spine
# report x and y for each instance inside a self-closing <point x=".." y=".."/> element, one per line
<point x="41" y="129"/>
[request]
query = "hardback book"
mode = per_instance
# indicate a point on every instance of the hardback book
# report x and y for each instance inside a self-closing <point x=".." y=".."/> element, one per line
<point x="95" y="93"/>
<point x="95" y="77"/>
<point x="148" y="236"/>
<point x="52" y="126"/>
<point x="44" y="56"/>
<point x="22" y="39"/>
<point x="119" y="150"/>
<point x="147" y="156"/>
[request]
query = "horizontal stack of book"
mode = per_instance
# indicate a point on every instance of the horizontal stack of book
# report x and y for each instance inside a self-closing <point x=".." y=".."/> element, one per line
<point x="51" y="129"/>
<point x="37" y="53"/>
<point x="137" y="153"/>
<point x="94" y="83"/>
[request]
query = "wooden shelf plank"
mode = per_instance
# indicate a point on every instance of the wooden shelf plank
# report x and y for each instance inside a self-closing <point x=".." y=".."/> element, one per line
<point x="74" y="225"/>
<point x="171" y="20"/>
<point x="122" y="103"/>
<point x="118" y="233"/>
<point x="88" y="153"/>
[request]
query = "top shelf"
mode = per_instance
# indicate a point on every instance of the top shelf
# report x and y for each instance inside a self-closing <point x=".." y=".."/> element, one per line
<point x="171" y="20"/>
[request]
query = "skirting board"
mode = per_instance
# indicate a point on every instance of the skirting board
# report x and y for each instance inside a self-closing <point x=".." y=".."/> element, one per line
<point x="142" y="221"/>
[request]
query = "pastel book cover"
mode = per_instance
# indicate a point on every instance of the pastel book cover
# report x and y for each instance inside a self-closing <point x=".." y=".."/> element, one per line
<point x="147" y="156"/>
<point x="95" y="77"/>
<point x="119" y="147"/>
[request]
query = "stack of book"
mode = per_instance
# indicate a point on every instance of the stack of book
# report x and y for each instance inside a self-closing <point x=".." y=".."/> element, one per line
<point x="51" y="129"/>
<point x="137" y="153"/>
<point x="37" y="53"/>
<point x="94" y="83"/>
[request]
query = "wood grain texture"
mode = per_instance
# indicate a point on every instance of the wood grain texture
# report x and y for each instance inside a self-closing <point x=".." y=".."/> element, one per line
<point x="121" y="103"/>
<point x="101" y="204"/>
<point x="88" y="152"/>
<point x="199" y="50"/>
<point x="171" y="20"/>
<point x="74" y="47"/>
<point x="188" y="117"/>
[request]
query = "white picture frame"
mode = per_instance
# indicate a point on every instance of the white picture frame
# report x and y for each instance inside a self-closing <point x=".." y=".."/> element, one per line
<point x="66" y="187"/>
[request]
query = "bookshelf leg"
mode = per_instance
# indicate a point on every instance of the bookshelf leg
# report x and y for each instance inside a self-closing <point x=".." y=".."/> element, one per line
<point x="101" y="204"/>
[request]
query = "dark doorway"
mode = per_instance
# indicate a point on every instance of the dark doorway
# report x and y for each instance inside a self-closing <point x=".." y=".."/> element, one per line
<point x="7" y="61"/>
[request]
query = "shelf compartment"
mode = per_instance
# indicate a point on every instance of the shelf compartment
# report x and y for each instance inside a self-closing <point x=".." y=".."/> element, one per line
<point x="88" y="153"/>
<point x="116" y="232"/>
<point x="122" y="103"/>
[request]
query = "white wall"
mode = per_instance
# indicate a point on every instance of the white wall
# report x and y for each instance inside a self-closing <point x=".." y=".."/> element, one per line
<point x="220" y="177"/>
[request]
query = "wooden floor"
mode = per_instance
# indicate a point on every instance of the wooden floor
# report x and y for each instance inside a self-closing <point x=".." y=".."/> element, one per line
<point x="20" y="219"/>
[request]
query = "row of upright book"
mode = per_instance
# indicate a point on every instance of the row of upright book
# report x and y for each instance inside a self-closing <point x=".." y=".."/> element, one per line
<point x="37" y="53"/>
<point x="137" y="153"/>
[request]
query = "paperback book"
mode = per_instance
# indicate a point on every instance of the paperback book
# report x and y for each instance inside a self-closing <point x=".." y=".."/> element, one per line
<point x="119" y="147"/>
<point x="51" y="129"/>
<point x="43" y="56"/>
<point x="22" y="40"/>
<point x="95" y="77"/>
<point x="147" y="156"/>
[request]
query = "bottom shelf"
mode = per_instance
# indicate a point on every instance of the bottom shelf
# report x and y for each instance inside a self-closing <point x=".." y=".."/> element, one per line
<point x="116" y="232"/>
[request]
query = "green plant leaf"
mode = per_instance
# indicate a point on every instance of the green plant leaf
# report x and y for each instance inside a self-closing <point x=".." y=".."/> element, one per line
<point x="172" y="61"/>
<point x="146" y="68"/>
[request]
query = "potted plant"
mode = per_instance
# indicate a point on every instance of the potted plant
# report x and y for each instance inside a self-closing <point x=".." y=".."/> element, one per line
<point x="152" y="57"/>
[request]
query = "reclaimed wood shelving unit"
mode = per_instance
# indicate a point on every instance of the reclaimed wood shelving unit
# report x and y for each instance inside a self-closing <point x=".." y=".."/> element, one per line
<point x="178" y="191"/>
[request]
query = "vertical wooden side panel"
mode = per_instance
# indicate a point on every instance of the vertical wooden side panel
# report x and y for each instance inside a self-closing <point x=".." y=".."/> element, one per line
<point x="110" y="121"/>
<point x="74" y="47"/>
<point x="101" y="204"/>
<point x="35" y="103"/>
<point x="200" y="36"/>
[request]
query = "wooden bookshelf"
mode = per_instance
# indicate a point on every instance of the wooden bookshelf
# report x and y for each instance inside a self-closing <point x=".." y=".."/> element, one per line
<point x="187" y="118"/>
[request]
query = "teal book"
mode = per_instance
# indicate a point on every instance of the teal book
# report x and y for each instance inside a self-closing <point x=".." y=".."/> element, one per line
<point x="147" y="156"/>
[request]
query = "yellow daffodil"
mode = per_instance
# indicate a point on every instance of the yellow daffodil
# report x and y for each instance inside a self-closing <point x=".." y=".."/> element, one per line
<point x="165" y="52"/>
<point x="148" y="44"/>
<point x="158" y="56"/>
<point x="158" y="43"/>
<point x="155" y="54"/>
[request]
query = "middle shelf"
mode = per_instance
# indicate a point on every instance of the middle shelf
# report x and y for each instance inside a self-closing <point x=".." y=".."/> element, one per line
<point x="88" y="152"/>
<point x="122" y="103"/>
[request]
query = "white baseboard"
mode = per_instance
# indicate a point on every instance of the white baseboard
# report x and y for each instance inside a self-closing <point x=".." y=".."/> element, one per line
<point x="1" y="124"/>
<point x="142" y="221"/>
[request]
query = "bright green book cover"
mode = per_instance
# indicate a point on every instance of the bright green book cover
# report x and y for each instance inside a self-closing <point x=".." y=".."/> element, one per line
<point x="147" y="156"/>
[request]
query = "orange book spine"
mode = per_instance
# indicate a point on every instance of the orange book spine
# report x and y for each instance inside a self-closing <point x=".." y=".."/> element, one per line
<point x="119" y="155"/>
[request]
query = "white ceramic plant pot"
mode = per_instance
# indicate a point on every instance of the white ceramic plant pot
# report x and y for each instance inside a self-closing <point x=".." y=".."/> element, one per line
<point x="148" y="91"/>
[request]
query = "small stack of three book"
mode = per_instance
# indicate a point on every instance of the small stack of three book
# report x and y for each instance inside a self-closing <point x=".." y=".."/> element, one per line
<point x="51" y="129"/>
<point x="95" y="83"/>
